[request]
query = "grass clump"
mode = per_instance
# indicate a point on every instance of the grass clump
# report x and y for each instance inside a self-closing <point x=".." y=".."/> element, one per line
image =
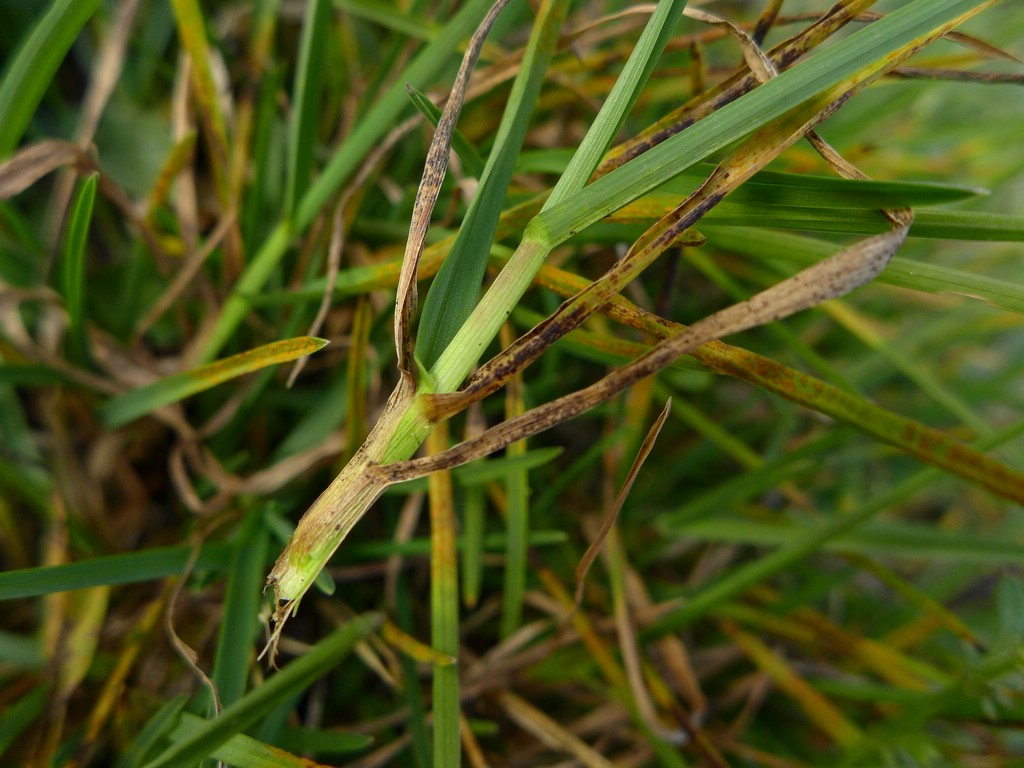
<point x="804" y="261"/>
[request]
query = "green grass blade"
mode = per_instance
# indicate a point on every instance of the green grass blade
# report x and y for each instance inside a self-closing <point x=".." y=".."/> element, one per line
<point x="420" y="745"/>
<point x="264" y="151"/>
<point x="21" y="652"/>
<point x="244" y="751"/>
<point x="491" y="542"/>
<point x="617" y="105"/>
<point x="127" y="568"/>
<point x="73" y="265"/>
<point x="948" y="225"/>
<point x="31" y="70"/>
<point x="131" y="405"/>
<point x="306" y="101"/>
<point x="323" y="741"/>
<point x="154" y="732"/>
<point x="23" y="473"/>
<point x="456" y="286"/>
<point x="968" y="225"/>
<point x="239" y="626"/>
<point x="777" y="188"/>
<point x="806" y="190"/>
<point x="471" y="160"/>
<point x="299" y="674"/>
<point x="756" y="480"/>
<point x="21" y="714"/>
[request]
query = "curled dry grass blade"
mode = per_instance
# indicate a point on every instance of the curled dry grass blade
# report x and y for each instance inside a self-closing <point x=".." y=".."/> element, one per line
<point x="426" y="196"/>
<point x="613" y="513"/>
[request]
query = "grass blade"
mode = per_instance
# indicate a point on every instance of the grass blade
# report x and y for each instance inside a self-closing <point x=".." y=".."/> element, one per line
<point x="127" y="568"/>
<point x="890" y="539"/>
<point x="131" y="405"/>
<point x="444" y="612"/>
<point x="246" y="752"/>
<point x="306" y="101"/>
<point x="407" y="23"/>
<point x="31" y="70"/>
<point x="616" y="107"/>
<point x="472" y="163"/>
<point x="73" y="265"/>
<point x="21" y="714"/>
<point x="239" y="625"/>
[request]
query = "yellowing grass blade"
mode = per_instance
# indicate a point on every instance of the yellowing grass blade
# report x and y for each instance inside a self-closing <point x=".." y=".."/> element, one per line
<point x="139" y="402"/>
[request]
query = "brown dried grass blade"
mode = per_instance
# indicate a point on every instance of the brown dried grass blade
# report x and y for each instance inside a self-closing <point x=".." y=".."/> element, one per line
<point x="551" y="733"/>
<point x="760" y="65"/>
<point x="980" y="46"/>
<point x="613" y="514"/>
<point x="434" y="170"/>
<point x="35" y="161"/>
